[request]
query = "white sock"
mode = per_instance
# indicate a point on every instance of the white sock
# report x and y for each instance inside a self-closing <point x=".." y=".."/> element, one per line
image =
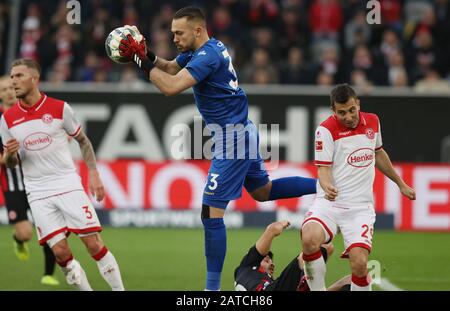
<point x="315" y="269"/>
<point x="360" y="284"/>
<point x="75" y="275"/>
<point x="109" y="269"/>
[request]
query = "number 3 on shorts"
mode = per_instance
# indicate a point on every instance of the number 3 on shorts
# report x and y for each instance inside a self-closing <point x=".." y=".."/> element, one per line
<point x="213" y="181"/>
<point x="88" y="212"/>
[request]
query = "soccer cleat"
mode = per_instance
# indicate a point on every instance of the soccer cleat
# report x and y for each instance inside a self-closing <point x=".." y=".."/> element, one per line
<point x="21" y="250"/>
<point x="49" y="280"/>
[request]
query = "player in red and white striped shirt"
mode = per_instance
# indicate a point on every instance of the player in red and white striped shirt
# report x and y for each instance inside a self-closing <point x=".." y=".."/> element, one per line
<point x="348" y="146"/>
<point x="35" y="130"/>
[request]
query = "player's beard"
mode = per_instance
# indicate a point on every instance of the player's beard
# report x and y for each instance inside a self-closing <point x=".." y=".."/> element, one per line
<point x="22" y="94"/>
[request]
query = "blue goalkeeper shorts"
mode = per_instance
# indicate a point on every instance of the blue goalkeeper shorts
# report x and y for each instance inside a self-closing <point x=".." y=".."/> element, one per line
<point x="227" y="176"/>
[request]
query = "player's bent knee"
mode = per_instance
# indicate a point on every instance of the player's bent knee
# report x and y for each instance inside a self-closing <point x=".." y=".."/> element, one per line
<point x="312" y="236"/>
<point x="92" y="242"/>
<point x="60" y="248"/>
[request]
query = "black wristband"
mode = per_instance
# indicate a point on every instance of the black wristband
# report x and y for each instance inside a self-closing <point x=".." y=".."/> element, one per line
<point x="151" y="56"/>
<point x="143" y="63"/>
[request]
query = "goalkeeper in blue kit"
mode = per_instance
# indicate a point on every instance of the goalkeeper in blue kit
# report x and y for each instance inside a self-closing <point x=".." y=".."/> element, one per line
<point x="205" y="65"/>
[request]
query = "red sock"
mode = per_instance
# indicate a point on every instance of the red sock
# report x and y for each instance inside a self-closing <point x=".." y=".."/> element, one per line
<point x="361" y="281"/>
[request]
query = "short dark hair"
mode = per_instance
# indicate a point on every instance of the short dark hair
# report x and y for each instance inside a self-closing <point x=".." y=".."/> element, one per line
<point x="30" y="63"/>
<point x="270" y="254"/>
<point x="191" y="13"/>
<point x="341" y="94"/>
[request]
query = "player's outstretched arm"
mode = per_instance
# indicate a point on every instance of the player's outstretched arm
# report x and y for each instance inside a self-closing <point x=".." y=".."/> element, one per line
<point x="87" y="151"/>
<point x="273" y="230"/>
<point x="384" y="164"/>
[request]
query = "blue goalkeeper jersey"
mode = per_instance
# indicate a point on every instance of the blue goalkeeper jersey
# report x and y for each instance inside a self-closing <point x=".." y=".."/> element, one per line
<point x="223" y="105"/>
<point x="218" y="97"/>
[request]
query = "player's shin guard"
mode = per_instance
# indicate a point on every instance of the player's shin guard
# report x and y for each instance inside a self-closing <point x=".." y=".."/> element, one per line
<point x="109" y="269"/>
<point x="215" y="250"/>
<point x="315" y="269"/>
<point x="75" y="274"/>
<point x="360" y="284"/>
<point x="291" y="187"/>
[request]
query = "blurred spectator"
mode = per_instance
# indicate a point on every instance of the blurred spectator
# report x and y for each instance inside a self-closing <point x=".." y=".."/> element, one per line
<point x="414" y="9"/>
<point x="98" y="29"/>
<point x="390" y="43"/>
<point x="262" y="76"/>
<point x="302" y="36"/>
<point x="164" y="19"/>
<point x="325" y="19"/>
<point x="423" y="55"/>
<point x="129" y="75"/>
<point x="31" y="34"/>
<point x="222" y="23"/>
<point x="391" y="13"/>
<point x="59" y="73"/>
<point x="293" y="28"/>
<point x="4" y="16"/>
<point x="357" y="31"/>
<point x="264" y="38"/>
<point x="66" y="46"/>
<point x="359" y="79"/>
<point x="397" y="74"/>
<point x="329" y="60"/>
<point x="262" y="13"/>
<point x="294" y="70"/>
<point x="324" y="79"/>
<point x="86" y="72"/>
<point x="432" y="83"/>
<point x="362" y="60"/>
<point x="260" y="61"/>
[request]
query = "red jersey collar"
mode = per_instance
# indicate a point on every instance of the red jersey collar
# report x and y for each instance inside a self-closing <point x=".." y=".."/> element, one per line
<point x="35" y="106"/>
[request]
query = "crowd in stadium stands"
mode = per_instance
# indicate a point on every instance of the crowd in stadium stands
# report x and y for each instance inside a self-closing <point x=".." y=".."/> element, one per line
<point x="319" y="42"/>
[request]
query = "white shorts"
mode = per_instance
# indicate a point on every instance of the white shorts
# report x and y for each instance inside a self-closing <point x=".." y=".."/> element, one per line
<point x="355" y="222"/>
<point x="64" y="213"/>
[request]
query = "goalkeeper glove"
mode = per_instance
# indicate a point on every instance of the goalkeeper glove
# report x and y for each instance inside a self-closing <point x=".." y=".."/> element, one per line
<point x="137" y="52"/>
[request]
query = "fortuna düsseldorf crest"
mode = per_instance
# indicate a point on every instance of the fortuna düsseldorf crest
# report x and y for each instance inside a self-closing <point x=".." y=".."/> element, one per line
<point x="370" y="133"/>
<point x="47" y="118"/>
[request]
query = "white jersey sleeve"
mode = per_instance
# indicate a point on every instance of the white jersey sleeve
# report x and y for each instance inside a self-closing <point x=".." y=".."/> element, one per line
<point x="4" y="131"/>
<point x="323" y="147"/>
<point x="70" y="123"/>
<point x="379" y="142"/>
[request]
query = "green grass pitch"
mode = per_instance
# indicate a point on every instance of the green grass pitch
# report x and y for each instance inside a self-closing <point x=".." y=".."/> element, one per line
<point x="172" y="259"/>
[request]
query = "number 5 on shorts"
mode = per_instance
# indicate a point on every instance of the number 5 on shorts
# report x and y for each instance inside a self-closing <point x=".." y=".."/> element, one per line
<point x="88" y="212"/>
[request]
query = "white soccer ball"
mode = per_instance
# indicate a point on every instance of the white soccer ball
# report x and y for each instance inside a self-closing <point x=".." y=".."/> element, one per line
<point x="112" y="42"/>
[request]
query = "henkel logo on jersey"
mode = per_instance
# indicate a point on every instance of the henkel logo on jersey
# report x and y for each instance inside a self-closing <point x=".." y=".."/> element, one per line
<point x="361" y="158"/>
<point x="37" y="141"/>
